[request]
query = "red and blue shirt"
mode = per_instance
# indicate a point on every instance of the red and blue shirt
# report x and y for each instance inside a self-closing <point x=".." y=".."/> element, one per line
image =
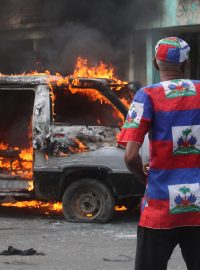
<point x="170" y="112"/>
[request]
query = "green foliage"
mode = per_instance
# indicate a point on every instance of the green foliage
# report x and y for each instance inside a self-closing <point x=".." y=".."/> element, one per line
<point x="186" y="132"/>
<point x="184" y="189"/>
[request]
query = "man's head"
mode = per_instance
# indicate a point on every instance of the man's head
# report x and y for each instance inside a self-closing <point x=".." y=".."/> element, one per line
<point x="171" y="55"/>
<point x="172" y="50"/>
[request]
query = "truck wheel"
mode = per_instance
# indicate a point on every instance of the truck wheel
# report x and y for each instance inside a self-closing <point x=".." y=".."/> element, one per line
<point x="88" y="200"/>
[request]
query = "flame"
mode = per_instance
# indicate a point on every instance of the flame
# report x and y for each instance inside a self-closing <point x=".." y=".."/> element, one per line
<point x="80" y="146"/>
<point x="49" y="207"/>
<point x="3" y="146"/>
<point x="120" y="208"/>
<point x="20" y="164"/>
<point x="30" y="185"/>
<point x="81" y="70"/>
<point x="56" y="207"/>
<point x="125" y="102"/>
<point x="102" y="70"/>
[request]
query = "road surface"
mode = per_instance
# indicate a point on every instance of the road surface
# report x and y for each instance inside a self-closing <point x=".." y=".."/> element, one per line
<point x="70" y="246"/>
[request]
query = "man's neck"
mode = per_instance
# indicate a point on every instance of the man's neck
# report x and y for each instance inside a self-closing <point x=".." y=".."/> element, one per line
<point x="171" y="75"/>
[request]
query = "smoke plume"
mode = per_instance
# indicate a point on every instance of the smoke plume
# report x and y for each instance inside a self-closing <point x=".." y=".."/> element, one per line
<point x="97" y="30"/>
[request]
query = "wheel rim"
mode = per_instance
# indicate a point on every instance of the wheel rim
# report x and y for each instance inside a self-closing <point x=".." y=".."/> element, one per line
<point x="87" y="204"/>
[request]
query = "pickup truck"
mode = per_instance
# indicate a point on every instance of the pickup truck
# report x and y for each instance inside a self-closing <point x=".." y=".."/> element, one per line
<point x="69" y="134"/>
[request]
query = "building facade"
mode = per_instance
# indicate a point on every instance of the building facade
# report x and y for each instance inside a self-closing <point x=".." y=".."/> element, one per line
<point x="178" y="18"/>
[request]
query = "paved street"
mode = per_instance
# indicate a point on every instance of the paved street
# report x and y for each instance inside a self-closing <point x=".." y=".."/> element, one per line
<point x="70" y="246"/>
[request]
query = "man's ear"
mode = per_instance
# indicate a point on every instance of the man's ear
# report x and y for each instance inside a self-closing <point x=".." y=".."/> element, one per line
<point x="155" y="63"/>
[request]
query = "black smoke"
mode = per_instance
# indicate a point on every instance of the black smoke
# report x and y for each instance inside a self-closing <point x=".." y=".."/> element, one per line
<point x="97" y="30"/>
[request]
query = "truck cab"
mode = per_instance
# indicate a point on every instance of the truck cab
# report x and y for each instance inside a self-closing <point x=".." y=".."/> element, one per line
<point x="58" y="143"/>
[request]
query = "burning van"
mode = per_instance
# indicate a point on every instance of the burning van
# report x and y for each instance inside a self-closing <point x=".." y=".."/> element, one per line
<point x="58" y="143"/>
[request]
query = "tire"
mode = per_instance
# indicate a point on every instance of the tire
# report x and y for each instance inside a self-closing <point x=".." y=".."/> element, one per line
<point x="88" y="200"/>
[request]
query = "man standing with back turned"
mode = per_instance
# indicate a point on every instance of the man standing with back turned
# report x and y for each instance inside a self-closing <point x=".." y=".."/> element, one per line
<point x="170" y="112"/>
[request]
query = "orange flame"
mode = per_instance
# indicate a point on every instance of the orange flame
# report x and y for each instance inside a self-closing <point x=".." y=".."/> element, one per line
<point x="120" y="208"/>
<point x="18" y="165"/>
<point x="49" y="207"/>
<point x="80" y="146"/>
<point x="100" y="71"/>
<point x="56" y="207"/>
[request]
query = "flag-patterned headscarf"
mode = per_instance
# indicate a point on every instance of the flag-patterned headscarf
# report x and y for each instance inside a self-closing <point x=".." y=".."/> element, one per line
<point x="172" y="50"/>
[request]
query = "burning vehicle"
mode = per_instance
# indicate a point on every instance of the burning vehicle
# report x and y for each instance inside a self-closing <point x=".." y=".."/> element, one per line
<point x="58" y="144"/>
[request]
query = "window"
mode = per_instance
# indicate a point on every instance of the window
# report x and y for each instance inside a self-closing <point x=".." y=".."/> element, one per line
<point x="84" y="107"/>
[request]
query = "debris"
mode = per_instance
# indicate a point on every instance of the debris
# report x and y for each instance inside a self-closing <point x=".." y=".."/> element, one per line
<point x="14" y="251"/>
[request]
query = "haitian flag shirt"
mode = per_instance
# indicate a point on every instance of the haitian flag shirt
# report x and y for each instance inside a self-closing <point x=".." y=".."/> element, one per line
<point x="170" y="112"/>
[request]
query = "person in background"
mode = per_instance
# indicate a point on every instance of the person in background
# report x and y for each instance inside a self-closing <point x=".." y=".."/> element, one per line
<point x="170" y="112"/>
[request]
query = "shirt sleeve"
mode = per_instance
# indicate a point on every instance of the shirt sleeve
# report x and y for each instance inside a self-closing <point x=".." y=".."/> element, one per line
<point x="138" y="120"/>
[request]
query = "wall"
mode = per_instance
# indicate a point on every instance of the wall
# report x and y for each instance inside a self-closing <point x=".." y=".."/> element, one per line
<point x="176" y="13"/>
<point x="178" y="18"/>
<point x="187" y="12"/>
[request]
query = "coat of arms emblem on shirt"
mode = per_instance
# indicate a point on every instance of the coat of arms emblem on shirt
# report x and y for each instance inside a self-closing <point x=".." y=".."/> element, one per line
<point x="184" y="198"/>
<point x="186" y="140"/>
<point x="134" y="115"/>
<point x="179" y="88"/>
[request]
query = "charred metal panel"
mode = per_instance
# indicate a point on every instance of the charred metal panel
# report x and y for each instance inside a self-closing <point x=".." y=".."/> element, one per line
<point x="21" y="80"/>
<point x="41" y="117"/>
<point x="93" y="137"/>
